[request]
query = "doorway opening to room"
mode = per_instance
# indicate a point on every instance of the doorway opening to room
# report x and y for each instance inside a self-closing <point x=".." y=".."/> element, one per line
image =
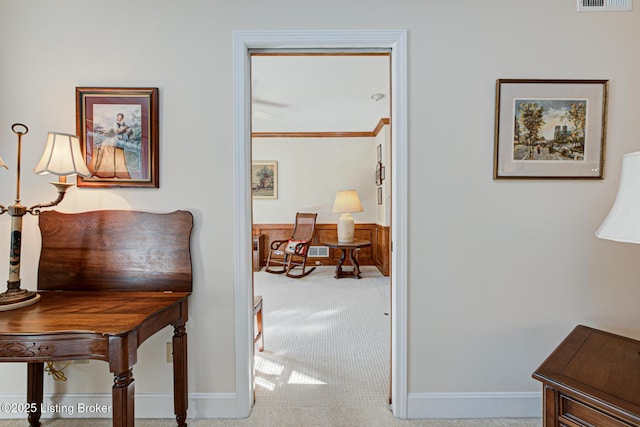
<point x="243" y="42"/>
<point x="321" y="124"/>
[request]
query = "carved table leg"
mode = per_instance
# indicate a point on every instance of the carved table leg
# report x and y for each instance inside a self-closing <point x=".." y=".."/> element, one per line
<point x="353" y="259"/>
<point x="343" y="255"/>
<point x="180" y="395"/>
<point x="35" y="378"/>
<point x="354" y="263"/>
<point x="123" y="400"/>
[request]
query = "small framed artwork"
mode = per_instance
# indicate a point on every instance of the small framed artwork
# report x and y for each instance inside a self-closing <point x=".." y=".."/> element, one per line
<point x="379" y="195"/>
<point x="553" y="129"/>
<point x="379" y="173"/>
<point x="118" y="130"/>
<point x="264" y="179"/>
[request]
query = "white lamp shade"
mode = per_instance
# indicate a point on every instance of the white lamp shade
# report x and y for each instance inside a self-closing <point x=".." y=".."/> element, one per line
<point x="347" y="201"/>
<point x="623" y="222"/>
<point x="62" y="156"/>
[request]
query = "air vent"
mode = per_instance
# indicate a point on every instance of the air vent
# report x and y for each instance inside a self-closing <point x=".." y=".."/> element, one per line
<point x="318" y="252"/>
<point x="604" y="5"/>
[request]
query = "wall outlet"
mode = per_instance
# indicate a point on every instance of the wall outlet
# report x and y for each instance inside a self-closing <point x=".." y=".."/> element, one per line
<point x="169" y="352"/>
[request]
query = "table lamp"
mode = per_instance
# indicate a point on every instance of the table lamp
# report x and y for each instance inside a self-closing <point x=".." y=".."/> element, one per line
<point x="346" y="203"/>
<point x="62" y="156"/>
<point x="622" y="224"/>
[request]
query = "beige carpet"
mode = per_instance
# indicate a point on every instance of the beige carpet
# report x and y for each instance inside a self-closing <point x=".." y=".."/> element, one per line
<point x="326" y="341"/>
<point x="326" y="359"/>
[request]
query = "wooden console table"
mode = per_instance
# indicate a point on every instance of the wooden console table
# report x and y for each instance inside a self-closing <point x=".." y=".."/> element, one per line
<point x="350" y="250"/>
<point x="108" y="280"/>
<point x="592" y="379"/>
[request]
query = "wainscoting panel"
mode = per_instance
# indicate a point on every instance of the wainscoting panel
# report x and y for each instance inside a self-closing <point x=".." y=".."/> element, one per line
<point x="382" y="248"/>
<point x="378" y="254"/>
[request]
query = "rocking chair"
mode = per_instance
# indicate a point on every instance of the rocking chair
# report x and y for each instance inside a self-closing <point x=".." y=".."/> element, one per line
<point x="285" y="255"/>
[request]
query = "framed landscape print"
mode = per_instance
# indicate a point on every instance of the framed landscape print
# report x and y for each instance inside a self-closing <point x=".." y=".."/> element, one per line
<point x="264" y="179"/>
<point x="118" y="130"/>
<point x="550" y="129"/>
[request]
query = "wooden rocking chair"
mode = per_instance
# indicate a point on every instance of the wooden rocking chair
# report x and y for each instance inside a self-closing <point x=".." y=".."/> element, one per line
<point x="285" y="255"/>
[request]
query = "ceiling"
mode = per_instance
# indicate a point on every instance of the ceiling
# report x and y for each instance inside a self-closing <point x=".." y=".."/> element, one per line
<point x="319" y="93"/>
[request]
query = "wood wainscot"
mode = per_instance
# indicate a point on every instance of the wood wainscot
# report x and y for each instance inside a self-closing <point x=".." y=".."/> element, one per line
<point x="382" y="248"/>
<point x="378" y="254"/>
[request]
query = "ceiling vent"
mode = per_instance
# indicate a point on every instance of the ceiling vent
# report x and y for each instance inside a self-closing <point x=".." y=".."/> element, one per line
<point x="604" y="5"/>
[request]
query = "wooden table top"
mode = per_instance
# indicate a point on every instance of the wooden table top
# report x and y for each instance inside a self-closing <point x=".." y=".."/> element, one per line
<point x="598" y="364"/>
<point x="103" y="312"/>
<point x="357" y="243"/>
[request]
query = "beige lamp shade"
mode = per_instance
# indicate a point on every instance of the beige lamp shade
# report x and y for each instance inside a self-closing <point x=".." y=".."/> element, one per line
<point x="623" y="222"/>
<point x="62" y="156"/>
<point x="345" y="203"/>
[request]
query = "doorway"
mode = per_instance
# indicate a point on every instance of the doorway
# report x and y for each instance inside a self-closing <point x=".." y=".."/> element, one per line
<point x="244" y="41"/>
<point x="320" y="123"/>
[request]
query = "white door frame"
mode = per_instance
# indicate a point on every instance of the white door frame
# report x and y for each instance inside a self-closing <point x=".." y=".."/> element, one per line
<point x="243" y="42"/>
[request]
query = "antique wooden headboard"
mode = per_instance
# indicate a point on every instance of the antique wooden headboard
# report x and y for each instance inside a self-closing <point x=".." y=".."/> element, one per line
<point x="115" y="250"/>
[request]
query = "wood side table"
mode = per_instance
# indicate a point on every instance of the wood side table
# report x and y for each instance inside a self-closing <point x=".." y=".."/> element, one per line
<point x="108" y="281"/>
<point x="591" y="379"/>
<point x="349" y="249"/>
<point x="109" y="326"/>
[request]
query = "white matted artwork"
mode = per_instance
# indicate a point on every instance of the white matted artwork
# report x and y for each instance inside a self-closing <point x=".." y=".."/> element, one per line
<point x="550" y="129"/>
<point x="264" y="179"/>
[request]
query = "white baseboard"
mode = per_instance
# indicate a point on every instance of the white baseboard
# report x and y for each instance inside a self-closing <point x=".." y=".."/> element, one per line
<point x="474" y="405"/>
<point x="213" y="405"/>
<point x="224" y="405"/>
<point x="99" y="405"/>
<point x="201" y="405"/>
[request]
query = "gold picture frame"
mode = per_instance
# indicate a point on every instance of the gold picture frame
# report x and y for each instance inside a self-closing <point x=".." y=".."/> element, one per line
<point x="118" y="130"/>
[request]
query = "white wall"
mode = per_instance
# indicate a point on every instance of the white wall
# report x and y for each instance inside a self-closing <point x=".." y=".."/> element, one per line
<point x="499" y="271"/>
<point x="311" y="171"/>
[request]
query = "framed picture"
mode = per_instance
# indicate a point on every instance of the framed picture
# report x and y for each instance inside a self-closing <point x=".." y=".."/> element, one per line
<point x="118" y="130"/>
<point x="550" y="129"/>
<point x="264" y="179"/>
<point x="379" y="173"/>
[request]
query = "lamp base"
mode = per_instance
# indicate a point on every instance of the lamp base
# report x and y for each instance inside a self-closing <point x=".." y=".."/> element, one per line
<point x="14" y="299"/>
<point x="345" y="228"/>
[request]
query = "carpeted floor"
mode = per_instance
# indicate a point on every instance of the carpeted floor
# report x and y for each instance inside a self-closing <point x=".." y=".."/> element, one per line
<point x="326" y="359"/>
<point x="326" y="341"/>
